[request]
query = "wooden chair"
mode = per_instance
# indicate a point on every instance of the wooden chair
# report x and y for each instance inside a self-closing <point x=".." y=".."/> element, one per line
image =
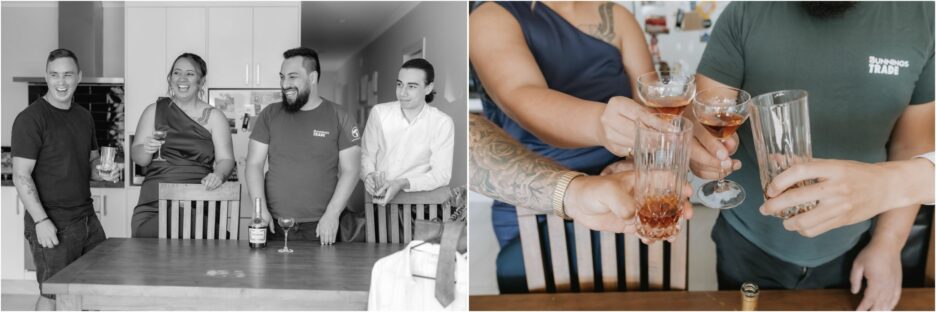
<point x="636" y="260"/>
<point x="383" y="222"/>
<point x="223" y="205"/>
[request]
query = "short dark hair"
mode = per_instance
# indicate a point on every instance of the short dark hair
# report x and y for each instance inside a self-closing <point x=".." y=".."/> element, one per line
<point x="310" y="59"/>
<point x="426" y="67"/>
<point x="60" y="53"/>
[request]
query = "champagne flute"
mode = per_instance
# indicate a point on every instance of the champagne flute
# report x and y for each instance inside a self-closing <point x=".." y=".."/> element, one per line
<point x="721" y="110"/>
<point x="286" y="224"/>
<point x="159" y="135"/>
<point x="667" y="91"/>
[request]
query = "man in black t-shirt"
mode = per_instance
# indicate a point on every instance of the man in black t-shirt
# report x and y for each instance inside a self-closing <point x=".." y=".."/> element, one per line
<point x="53" y="150"/>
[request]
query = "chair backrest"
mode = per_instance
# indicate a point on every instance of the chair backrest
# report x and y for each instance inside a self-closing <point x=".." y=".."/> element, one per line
<point x="642" y="263"/>
<point x="216" y="213"/>
<point x="384" y="222"/>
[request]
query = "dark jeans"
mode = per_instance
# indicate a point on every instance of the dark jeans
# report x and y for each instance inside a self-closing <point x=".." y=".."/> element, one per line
<point x="75" y="240"/>
<point x="739" y="261"/>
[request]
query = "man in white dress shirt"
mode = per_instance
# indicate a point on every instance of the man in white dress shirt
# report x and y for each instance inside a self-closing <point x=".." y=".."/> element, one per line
<point x="409" y="141"/>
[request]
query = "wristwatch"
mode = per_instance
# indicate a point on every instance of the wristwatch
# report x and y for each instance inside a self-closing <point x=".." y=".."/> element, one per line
<point x="559" y="193"/>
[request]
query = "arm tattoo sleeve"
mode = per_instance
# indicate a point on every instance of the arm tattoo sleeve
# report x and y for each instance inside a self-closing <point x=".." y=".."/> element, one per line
<point x="503" y="169"/>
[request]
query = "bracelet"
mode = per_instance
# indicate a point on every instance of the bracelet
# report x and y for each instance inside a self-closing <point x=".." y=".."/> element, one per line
<point x="40" y="221"/>
<point x="558" y="199"/>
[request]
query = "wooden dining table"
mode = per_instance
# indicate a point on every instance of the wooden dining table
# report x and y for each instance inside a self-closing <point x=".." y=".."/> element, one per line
<point x="197" y="274"/>
<point x="917" y="299"/>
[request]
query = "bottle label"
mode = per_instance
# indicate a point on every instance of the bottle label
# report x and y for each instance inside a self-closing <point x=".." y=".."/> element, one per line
<point x="257" y="236"/>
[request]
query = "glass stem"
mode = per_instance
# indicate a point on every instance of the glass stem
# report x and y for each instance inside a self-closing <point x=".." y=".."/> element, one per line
<point x="286" y="240"/>
<point x="722" y="173"/>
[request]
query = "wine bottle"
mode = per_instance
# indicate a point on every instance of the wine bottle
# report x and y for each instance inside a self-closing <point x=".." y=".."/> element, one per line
<point x="257" y="228"/>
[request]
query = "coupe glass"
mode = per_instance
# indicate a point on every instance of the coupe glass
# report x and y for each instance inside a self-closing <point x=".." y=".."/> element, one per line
<point x="286" y="224"/>
<point x="721" y="111"/>
<point x="159" y="135"/>
<point x="668" y="91"/>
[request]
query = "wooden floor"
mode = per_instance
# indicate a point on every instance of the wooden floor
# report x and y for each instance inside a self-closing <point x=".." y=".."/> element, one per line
<point x="15" y="302"/>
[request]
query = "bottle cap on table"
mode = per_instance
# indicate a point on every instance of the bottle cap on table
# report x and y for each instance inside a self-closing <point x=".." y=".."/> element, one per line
<point x="749" y="293"/>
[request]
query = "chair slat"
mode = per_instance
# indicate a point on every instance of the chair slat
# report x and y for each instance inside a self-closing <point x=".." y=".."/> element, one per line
<point x="407" y="223"/>
<point x="212" y="220"/>
<point x="174" y="214"/>
<point x="679" y="263"/>
<point x="655" y="266"/>
<point x="583" y="255"/>
<point x="234" y="216"/>
<point x="369" y="222"/>
<point x="223" y="221"/>
<point x="929" y="280"/>
<point x="446" y="212"/>
<point x="558" y="253"/>
<point x="394" y="223"/>
<point x="433" y="211"/>
<point x="163" y="225"/>
<point x="532" y="256"/>
<point x="199" y="219"/>
<point x="420" y="212"/>
<point x="609" y="271"/>
<point x="382" y="224"/>
<point x="631" y="262"/>
<point x="186" y="219"/>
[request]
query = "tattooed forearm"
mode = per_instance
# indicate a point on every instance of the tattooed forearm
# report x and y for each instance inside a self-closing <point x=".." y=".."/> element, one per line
<point x="27" y="193"/>
<point x="503" y="169"/>
<point x="604" y="30"/>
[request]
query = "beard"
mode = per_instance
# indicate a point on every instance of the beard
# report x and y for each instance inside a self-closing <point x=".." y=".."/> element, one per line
<point x="302" y="96"/>
<point x="825" y="10"/>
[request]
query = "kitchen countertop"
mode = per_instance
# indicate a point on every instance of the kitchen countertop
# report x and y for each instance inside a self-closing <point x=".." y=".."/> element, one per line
<point x="94" y="184"/>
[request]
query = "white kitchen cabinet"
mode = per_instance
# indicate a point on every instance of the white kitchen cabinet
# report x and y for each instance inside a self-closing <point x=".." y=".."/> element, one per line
<point x="13" y="241"/>
<point x="110" y="207"/>
<point x="230" y="47"/>
<point x="275" y="30"/>
<point x="145" y="57"/>
<point x="249" y="44"/>
<point x="186" y="31"/>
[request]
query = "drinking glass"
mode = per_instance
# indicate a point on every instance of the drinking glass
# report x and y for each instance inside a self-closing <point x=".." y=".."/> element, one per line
<point x="380" y="178"/>
<point x="782" y="138"/>
<point x="721" y="110"/>
<point x="286" y="224"/>
<point x="107" y="166"/>
<point x="661" y="156"/>
<point x="159" y="135"/>
<point x="667" y="91"/>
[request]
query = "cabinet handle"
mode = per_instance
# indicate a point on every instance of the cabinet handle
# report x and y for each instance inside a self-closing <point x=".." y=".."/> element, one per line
<point x="246" y="74"/>
<point x="258" y="74"/>
<point x="19" y="203"/>
<point x="104" y="205"/>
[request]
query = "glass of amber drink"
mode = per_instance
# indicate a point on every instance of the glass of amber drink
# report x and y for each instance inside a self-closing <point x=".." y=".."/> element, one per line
<point x="661" y="156"/>
<point x="721" y="111"/>
<point x="667" y="91"/>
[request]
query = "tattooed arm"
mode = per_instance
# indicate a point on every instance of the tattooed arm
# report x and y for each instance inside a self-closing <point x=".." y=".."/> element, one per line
<point x="26" y="190"/>
<point x="501" y="168"/>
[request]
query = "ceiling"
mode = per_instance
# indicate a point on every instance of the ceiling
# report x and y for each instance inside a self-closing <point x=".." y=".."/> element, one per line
<point x="337" y="30"/>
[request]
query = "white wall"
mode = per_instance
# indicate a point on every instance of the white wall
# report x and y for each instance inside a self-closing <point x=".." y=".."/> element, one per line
<point x="29" y="32"/>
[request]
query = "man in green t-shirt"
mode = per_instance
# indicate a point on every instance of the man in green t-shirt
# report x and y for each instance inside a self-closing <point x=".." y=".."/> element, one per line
<point x="868" y="69"/>
<point x="312" y="146"/>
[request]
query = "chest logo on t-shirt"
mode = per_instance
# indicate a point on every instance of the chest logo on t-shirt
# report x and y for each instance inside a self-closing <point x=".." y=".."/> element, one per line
<point x="354" y="133"/>
<point x="886" y="66"/>
<point x="319" y="133"/>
